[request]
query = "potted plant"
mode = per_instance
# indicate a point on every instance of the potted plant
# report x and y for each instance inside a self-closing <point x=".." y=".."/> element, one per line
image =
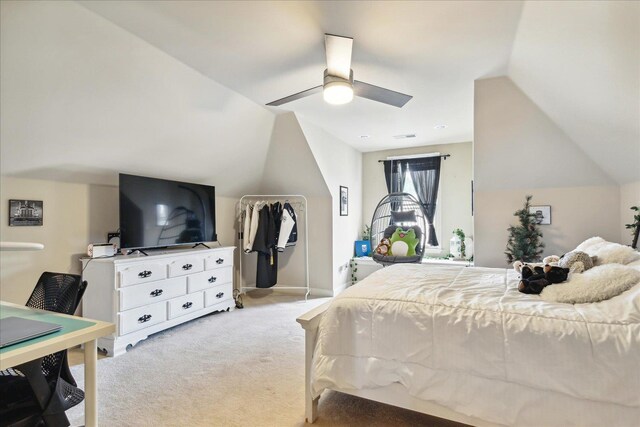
<point x="634" y="226"/>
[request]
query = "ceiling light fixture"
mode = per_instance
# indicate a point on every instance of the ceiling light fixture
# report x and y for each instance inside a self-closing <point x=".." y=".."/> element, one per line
<point x="365" y="136"/>
<point x="440" y="127"/>
<point x="336" y="90"/>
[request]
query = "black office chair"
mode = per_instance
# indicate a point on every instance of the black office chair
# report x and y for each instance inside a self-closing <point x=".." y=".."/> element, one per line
<point x="40" y="391"/>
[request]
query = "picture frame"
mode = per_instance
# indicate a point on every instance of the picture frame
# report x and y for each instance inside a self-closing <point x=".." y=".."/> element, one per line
<point x="344" y="201"/>
<point x="24" y="213"/>
<point x="542" y="213"/>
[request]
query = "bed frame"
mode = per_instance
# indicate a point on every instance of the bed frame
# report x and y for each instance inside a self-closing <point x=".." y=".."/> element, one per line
<point x="394" y="394"/>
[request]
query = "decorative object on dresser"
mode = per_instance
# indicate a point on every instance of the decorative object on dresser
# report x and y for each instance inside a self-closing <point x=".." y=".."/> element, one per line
<point x="143" y="295"/>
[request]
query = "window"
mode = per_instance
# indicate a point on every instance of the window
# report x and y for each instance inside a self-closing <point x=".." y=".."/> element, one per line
<point x="411" y="189"/>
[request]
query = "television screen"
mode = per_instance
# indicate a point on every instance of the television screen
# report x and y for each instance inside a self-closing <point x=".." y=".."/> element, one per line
<point x="159" y="213"/>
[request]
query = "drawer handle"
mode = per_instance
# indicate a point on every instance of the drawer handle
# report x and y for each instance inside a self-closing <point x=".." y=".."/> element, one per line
<point x="144" y="318"/>
<point x="187" y="305"/>
<point x="219" y="294"/>
<point x="219" y="261"/>
<point x="187" y="266"/>
<point x="212" y="279"/>
<point x="156" y="293"/>
<point x="144" y="274"/>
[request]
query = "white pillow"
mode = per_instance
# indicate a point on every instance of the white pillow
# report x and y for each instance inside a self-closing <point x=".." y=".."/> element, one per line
<point x="596" y="284"/>
<point x="608" y="252"/>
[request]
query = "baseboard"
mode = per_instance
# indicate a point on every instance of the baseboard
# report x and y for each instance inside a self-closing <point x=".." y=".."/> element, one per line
<point x="312" y="291"/>
<point x="345" y="285"/>
<point x="321" y="292"/>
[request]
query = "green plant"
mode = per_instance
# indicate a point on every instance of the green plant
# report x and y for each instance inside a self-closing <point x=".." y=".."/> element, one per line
<point x="366" y="233"/>
<point x="634" y="226"/>
<point x="354" y="269"/>
<point x="463" y="249"/>
<point x="525" y="240"/>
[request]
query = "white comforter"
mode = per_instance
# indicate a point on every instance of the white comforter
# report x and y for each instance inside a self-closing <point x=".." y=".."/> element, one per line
<point x="467" y="339"/>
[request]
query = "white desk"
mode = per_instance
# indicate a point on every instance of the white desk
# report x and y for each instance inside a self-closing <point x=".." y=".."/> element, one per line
<point x="66" y="338"/>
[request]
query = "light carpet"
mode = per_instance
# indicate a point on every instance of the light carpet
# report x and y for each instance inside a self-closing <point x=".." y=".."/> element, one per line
<point x="242" y="368"/>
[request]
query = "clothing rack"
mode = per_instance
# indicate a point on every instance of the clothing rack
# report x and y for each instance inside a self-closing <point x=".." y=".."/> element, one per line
<point x="299" y="204"/>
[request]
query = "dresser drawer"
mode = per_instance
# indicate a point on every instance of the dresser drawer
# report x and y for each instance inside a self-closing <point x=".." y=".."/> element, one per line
<point x="218" y="294"/>
<point x="149" y="293"/>
<point x="185" y="304"/>
<point x="185" y="265"/>
<point x="207" y="279"/>
<point x="142" y="317"/>
<point x="142" y="273"/>
<point x="219" y="259"/>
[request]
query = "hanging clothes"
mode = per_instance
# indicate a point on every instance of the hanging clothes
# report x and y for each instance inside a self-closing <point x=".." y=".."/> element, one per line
<point x="286" y="227"/>
<point x="276" y="211"/>
<point x="264" y="244"/>
<point x="247" y="245"/>
<point x="288" y="235"/>
<point x="253" y="227"/>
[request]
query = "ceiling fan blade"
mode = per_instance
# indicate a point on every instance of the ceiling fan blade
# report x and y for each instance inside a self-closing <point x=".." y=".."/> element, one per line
<point x="380" y="94"/>
<point x="338" y="50"/>
<point x="295" y="96"/>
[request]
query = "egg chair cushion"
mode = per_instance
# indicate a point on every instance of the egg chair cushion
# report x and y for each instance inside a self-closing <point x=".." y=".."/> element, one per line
<point x="398" y="217"/>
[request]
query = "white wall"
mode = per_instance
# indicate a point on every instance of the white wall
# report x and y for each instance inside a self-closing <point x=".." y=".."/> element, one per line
<point x="454" y="196"/>
<point x="74" y="216"/>
<point x="340" y="165"/>
<point x="518" y="150"/>
<point x="579" y="61"/>
<point x="292" y="169"/>
<point x="629" y="196"/>
<point x="82" y="99"/>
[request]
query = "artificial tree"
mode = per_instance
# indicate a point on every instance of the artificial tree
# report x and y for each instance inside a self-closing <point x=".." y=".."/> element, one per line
<point x="525" y="240"/>
<point x="634" y="226"/>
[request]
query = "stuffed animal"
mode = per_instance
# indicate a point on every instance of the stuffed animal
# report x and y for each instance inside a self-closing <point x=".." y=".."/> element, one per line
<point x="527" y="269"/>
<point x="404" y="242"/>
<point x="384" y="247"/>
<point x="576" y="261"/>
<point x="536" y="282"/>
<point x="551" y="260"/>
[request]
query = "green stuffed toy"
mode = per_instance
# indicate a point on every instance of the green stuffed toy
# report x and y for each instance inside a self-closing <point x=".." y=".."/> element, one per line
<point x="404" y="242"/>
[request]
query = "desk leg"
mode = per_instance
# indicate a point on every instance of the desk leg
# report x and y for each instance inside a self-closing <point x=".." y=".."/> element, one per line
<point x="90" y="389"/>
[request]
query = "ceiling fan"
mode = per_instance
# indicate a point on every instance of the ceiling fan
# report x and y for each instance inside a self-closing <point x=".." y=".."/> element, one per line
<point x="339" y="86"/>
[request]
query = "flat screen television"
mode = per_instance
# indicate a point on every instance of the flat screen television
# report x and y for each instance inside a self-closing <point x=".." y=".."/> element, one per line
<point x="160" y="213"/>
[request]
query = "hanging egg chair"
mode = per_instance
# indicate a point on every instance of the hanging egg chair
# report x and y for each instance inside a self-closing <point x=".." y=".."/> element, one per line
<point x="399" y="213"/>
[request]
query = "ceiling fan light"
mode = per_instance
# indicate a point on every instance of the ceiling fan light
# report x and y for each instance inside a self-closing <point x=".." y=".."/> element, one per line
<point x="338" y="92"/>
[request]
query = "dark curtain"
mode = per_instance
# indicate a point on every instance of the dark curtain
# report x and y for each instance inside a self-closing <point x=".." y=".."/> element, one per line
<point x="394" y="175"/>
<point x="425" y="173"/>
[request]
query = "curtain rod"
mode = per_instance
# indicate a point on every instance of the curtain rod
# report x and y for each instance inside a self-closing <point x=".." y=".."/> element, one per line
<point x="444" y="156"/>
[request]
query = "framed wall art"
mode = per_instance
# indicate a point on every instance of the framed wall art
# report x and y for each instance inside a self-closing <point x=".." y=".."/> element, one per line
<point x="25" y="213"/>
<point x="344" y="201"/>
<point x="542" y="213"/>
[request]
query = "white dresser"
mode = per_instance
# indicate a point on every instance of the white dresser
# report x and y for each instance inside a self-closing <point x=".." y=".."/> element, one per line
<point x="146" y="294"/>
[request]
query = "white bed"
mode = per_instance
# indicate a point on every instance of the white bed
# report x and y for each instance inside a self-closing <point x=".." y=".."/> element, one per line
<point x="464" y="344"/>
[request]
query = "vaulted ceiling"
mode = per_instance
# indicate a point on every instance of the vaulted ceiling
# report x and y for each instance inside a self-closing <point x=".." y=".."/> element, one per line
<point x="266" y="50"/>
<point x="578" y="61"/>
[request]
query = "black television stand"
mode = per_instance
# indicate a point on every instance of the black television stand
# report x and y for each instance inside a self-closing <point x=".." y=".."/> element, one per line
<point x="198" y="244"/>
